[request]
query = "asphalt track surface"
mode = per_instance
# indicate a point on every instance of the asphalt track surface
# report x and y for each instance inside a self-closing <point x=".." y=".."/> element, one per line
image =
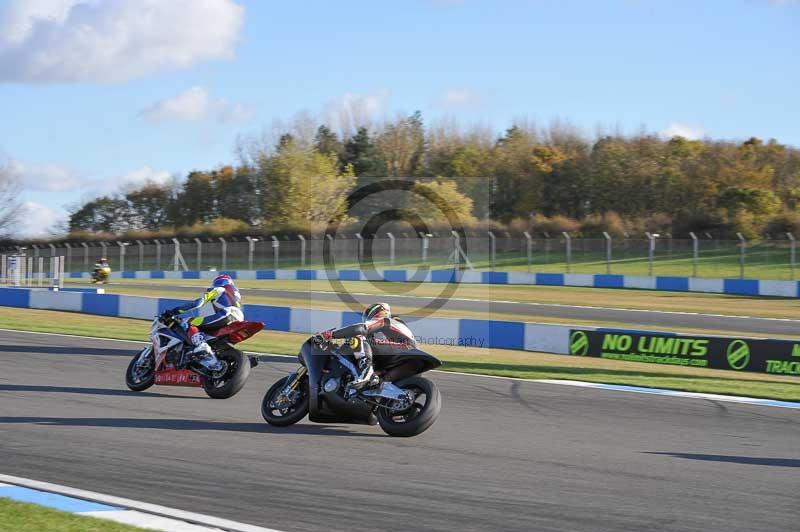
<point x="664" y="320"/>
<point x="505" y="454"/>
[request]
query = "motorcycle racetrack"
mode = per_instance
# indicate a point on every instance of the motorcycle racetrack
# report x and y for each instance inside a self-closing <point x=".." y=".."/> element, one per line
<point x="504" y="455"/>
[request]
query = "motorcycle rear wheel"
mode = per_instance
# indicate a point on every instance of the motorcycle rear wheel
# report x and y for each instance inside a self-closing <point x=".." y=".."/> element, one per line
<point x="289" y="416"/>
<point x="136" y="381"/>
<point x="234" y="378"/>
<point x="418" y="417"/>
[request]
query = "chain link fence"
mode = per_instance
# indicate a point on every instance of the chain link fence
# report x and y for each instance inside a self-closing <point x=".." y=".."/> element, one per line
<point x="652" y="255"/>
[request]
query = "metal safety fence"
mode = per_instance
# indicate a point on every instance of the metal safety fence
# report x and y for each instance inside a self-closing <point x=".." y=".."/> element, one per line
<point x="653" y="254"/>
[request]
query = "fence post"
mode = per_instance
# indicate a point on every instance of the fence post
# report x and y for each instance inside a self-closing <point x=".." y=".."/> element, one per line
<point x="391" y="248"/>
<point x="651" y="251"/>
<point x="40" y="274"/>
<point x="425" y="244"/>
<point x="546" y="247"/>
<point x="608" y="251"/>
<point x="276" y="245"/>
<point x="52" y="249"/>
<point x="224" y="253"/>
<point x="492" y="249"/>
<point x="792" y="254"/>
<point x="302" y="250"/>
<point x="360" y="248"/>
<point x="121" y="255"/>
<point x="69" y="256"/>
<point x="695" y="252"/>
<point x="140" y="245"/>
<point x="456" y="247"/>
<point x="251" y="248"/>
<point x="35" y="250"/>
<point x="104" y="245"/>
<point x="158" y="254"/>
<point x="85" y="256"/>
<point x="528" y="249"/>
<point x="568" y="244"/>
<point x="199" y="251"/>
<point x="742" y="251"/>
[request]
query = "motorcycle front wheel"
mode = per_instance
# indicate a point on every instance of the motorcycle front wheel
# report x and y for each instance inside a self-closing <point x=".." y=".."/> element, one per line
<point x="234" y="378"/>
<point x="282" y="412"/>
<point x="141" y="376"/>
<point x="417" y="417"/>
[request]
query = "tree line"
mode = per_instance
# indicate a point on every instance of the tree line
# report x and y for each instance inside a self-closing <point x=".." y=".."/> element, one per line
<point x="527" y="178"/>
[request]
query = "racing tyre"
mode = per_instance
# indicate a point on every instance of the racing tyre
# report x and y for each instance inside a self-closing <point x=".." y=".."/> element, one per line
<point x="140" y="377"/>
<point x="234" y="378"/>
<point x="419" y="416"/>
<point x="286" y="413"/>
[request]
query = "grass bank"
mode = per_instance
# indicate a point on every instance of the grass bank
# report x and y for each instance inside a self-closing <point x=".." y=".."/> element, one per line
<point x="24" y="517"/>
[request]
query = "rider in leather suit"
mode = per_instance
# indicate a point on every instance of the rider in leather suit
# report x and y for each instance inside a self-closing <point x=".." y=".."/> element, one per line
<point x="219" y="306"/>
<point x="380" y="334"/>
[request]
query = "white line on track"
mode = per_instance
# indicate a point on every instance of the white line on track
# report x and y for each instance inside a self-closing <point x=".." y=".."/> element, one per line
<point x="147" y="509"/>
<point x="563" y="382"/>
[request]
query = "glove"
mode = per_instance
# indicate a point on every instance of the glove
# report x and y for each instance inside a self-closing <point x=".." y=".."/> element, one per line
<point x="169" y="315"/>
<point x="322" y="337"/>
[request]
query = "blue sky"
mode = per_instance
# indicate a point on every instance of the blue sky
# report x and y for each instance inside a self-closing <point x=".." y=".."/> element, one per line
<point x="98" y="94"/>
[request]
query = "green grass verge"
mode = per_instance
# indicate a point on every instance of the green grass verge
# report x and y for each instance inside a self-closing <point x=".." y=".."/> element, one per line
<point x="509" y="363"/>
<point x="24" y="517"/>
<point x="706" y="303"/>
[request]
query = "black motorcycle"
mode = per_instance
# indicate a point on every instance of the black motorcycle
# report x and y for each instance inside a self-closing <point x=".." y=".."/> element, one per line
<point x="404" y="403"/>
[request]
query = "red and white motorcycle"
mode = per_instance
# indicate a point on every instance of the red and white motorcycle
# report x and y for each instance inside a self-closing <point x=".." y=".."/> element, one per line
<point x="168" y="359"/>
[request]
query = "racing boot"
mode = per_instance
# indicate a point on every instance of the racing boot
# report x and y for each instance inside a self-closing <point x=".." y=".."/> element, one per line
<point x="203" y="354"/>
<point x="367" y="378"/>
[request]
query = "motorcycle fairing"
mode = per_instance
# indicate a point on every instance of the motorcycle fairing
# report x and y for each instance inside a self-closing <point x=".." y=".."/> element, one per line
<point x="329" y="407"/>
<point x="402" y="365"/>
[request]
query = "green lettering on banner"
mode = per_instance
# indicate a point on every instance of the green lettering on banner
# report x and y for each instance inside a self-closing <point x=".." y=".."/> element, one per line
<point x="664" y="345"/>
<point x="783" y="366"/>
<point x="796" y="350"/>
<point x="738" y="354"/>
<point x="578" y="343"/>
<point x="617" y="342"/>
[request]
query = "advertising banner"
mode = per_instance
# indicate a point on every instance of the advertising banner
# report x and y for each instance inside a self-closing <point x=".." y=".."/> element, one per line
<point x="779" y="357"/>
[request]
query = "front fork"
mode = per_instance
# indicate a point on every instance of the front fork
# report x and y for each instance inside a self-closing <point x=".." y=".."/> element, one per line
<point x="294" y="382"/>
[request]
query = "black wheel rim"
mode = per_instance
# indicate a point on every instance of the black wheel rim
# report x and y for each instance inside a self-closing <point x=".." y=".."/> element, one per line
<point x="417" y="406"/>
<point x="141" y="371"/>
<point x="279" y="410"/>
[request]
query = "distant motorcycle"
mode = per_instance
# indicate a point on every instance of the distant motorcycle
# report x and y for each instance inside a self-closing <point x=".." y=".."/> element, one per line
<point x="168" y="359"/>
<point x="404" y="403"/>
<point x="100" y="275"/>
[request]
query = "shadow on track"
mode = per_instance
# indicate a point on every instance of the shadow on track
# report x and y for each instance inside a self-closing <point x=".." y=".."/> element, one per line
<point x="87" y="391"/>
<point x="187" y="425"/>
<point x="749" y="460"/>
<point x="55" y="350"/>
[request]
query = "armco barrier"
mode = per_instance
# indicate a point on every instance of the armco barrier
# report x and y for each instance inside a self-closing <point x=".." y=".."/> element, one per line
<point x="750" y="287"/>
<point x="739" y="354"/>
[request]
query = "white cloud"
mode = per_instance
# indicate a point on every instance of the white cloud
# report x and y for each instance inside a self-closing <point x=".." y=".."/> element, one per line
<point x="194" y="104"/>
<point x="146" y="174"/>
<point x="109" y="41"/>
<point x="677" y="129"/>
<point x="459" y="97"/>
<point x="44" y="177"/>
<point x="352" y="110"/>
<point x="36" y="220"/>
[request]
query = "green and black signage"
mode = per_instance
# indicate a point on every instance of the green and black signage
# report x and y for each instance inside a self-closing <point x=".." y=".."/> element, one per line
<point x="781" y="357"/>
